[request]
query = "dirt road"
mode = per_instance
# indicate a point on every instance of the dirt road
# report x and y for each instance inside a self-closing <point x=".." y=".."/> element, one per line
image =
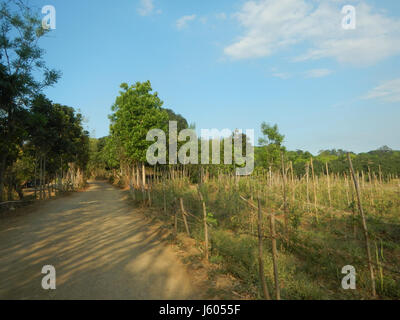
<point x="100" y="247"/>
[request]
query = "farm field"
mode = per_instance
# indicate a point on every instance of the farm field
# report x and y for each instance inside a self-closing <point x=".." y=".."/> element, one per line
<point x="318" y="229"/>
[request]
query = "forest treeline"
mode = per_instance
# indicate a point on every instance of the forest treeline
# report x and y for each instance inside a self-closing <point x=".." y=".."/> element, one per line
<point x="138" y="109"/>
<point x="383" y="160"/>
<point x="40" y="141"/>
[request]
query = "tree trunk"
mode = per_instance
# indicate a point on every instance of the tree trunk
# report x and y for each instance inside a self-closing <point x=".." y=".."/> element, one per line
<point x="138" y="175"/>
<point x="40" y="178"/>
<point x="144" y="175"/>
<point x="10" y="195"/>
<point x="35" y="178"/>
<point x="44" y="176"/>
<point x="2" y="174"/>
<point x="18" y="189"/>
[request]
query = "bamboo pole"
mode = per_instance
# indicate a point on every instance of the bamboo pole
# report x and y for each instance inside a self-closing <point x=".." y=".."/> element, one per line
<point x="370" y="187"/>
<point x="270" y="176"/>
<point x="364" y="224"/>
<point x="184" y="216"/>
<point x="379" y="266"/>
<point x="164" y="198"/>
<point x="307" y="182"/>
<point x="176" y="223"/>
<point x="149" y="195"/>
<point x="329" y="186"/>
<point x="314" y="189"/>
<point x="362" y="180"/>
<point x="205" y="225"/>
<point x="284" y="192"/>
<point x="293" y="185"/>
<point x="260" y="254"/>
<point x="275" y="256"/>
<point x="347" y="187"/>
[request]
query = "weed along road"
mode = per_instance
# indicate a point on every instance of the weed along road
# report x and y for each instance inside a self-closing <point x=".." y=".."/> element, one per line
<point x="100" y="247"/>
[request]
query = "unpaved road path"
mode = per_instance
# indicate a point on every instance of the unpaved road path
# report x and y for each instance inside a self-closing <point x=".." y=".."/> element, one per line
<point x="100" y="247"/>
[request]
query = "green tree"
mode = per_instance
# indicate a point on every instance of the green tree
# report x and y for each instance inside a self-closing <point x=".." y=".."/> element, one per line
<point x="21" y="61"/>
<point x="271" y="142"/>
<point x="136" y="111"/>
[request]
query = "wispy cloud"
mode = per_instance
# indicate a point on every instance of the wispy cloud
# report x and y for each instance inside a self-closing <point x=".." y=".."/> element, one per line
<point x="318" y="73"/>
<point x="183" y="21"/>
<point x="221" y="16"/>
<point x="282" y="75"/>
<point x="274" y="25"/>
<point x="146" y="7"/>
<point x="388" y="91"/>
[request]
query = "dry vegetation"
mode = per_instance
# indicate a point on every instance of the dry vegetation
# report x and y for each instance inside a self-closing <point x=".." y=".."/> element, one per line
<point x="318" y="226"/>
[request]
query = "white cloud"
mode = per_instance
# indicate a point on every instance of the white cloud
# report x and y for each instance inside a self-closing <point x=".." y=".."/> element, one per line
<point x="388" y="91"/>
<point x="281" y="75"/>
<point x="273" y="25"/>
<point x="318" y="73"/>
<point x="203" y="20"/>
<point x="221" y="16"/>
<point x="146" y="7"/>
<point x="182" y="22"/>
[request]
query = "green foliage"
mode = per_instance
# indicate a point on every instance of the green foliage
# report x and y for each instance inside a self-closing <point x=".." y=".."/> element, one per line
<point x="272" y="148"/>
<point x="23" y="74"/>
<point x="211" y="219"/>
<point x="181" y="121"/>
<point x="135" y="112"/>
<point x="239" y="254"/>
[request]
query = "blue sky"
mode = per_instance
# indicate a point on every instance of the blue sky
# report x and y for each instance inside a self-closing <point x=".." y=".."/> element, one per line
<point x="233" y="64"/>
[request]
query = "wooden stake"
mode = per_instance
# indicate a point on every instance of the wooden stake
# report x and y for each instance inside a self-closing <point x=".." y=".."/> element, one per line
<point x="314" y="189"/>
<point x="307" y="181"/>
<point x="364" y="224"/>
<point x="164" y="198"/>
<point x="293" y="186"/>
<point x="329" y="186"/>
<point x="347" y="189"/>
<point x="184" y="216"/>
<point x="260" y="254"/>
<point x="205" y="225"/>
<point x="149" y="195"/>
<point x="284" y="192"/>
<point x="176" y="223"/>
<point x="275" y="256"/>
<point x="370" y="187"/>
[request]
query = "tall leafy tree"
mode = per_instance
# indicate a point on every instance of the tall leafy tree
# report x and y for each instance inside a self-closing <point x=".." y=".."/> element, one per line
<point x="272" y="142"/>
<point x="21" y="61"/>
<point x="136" y="111"/>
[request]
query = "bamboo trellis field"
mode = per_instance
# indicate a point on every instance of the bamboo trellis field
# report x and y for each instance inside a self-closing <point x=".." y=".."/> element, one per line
<point x="319" y="229"/>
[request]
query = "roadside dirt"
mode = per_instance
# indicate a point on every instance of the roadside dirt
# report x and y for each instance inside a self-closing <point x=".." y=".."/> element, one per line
<point x="100" y="246"/>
